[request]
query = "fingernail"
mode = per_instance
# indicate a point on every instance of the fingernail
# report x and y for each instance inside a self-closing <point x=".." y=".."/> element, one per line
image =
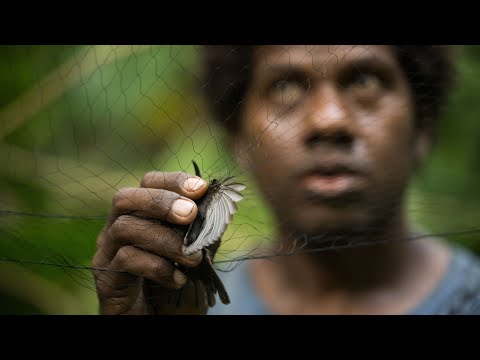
<point x="182" y="207"/>
<point x="179" y="277"/>
<point x="193" y="184"/>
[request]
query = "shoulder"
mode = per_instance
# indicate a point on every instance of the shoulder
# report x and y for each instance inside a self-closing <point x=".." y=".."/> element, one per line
<point x="466" y="274"/>
<point x="459" y="291"/>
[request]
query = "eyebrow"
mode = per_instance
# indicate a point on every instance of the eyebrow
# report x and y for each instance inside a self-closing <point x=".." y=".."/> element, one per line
<point x="371" y="62"/>
<point x="360" y="62"/>
<point x="284" y="71"/>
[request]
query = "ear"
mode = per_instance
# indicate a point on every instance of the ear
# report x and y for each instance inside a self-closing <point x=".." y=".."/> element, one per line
<point x="422" y="147"/>
<point x="423" y="140"/>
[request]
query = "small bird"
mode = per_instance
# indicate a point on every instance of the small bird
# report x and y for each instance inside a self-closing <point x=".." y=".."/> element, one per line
<point x="215" y="211"/>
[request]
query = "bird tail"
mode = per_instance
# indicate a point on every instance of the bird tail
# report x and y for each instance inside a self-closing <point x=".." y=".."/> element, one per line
<point x="206" y="282"/>
<point x="217" y="286"/>
<point x="214" y="284"/>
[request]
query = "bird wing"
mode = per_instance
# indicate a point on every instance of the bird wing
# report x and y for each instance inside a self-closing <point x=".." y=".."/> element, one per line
<point x="219" y="214"/>
<point x="237" y="187"/>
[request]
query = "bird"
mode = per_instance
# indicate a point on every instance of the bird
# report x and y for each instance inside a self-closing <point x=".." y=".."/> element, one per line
<point x="215" y="212"/>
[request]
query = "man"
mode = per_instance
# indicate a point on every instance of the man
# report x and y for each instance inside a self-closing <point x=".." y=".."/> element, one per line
<point x="338" y="132"/>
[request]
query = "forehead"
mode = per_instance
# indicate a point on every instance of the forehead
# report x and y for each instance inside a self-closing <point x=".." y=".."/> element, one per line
<point x="322" y="58"/>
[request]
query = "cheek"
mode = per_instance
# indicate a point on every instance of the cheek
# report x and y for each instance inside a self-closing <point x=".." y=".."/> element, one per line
<point x="391" y="143"/>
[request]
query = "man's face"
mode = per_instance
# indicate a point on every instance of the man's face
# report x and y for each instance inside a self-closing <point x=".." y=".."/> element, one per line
<point x="329" y="134"/>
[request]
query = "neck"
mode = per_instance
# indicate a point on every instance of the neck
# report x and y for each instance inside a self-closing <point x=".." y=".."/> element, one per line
<point x="342" y="260"/>
<point x="390" y="277"/>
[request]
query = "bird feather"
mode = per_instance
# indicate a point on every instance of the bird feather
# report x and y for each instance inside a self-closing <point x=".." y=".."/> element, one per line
<point x="219" y="214"/>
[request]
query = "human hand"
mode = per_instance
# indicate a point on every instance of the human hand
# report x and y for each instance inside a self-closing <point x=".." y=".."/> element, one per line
<point x="134" y="265"/>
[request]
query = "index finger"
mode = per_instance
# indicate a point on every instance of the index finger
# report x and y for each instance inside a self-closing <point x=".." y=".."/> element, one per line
<point x="182" y="183"/>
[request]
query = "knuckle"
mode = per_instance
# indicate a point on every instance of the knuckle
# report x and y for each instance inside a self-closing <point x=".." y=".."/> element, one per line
<point x="119" y="227"/>
<point x="123" y="257"/>
<point x="97" y="274"/>
<point x="162" y="271"/>
<point x="171" y="244"/>
<point x="96" y="264"/>
<point x="160" y="198"/>
<point x="180" y="177"/>
<point x="148" y="178"/>
<point x="119" y="196"/>
<point x="163" y="200"/>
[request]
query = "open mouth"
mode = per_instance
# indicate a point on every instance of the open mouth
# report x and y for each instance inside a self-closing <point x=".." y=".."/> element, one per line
<point x="332" y="182"/>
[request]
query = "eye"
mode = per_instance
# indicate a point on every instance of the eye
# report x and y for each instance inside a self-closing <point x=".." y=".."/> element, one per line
<point x="366" y="84"/>
<point x="287" y="92"/>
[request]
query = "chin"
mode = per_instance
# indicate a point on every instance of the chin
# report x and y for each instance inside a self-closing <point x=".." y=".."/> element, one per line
<point x="330" y="221"/>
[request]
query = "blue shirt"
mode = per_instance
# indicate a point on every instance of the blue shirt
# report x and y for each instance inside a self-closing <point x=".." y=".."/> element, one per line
<point x="458" y="293"/>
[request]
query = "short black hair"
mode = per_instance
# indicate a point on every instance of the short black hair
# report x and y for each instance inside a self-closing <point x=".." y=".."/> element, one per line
<point x="430" y="71"/>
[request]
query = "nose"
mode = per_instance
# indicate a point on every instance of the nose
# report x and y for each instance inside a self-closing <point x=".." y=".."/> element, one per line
<point x="327" y="119"/>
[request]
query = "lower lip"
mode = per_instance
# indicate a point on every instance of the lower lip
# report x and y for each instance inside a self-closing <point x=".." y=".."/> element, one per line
<point x="332" y="185"/>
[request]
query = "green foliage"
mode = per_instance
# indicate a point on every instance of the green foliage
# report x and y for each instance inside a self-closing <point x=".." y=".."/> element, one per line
<point x="446" y="194"/>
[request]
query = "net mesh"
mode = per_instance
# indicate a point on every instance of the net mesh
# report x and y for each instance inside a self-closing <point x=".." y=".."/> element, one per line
<point x="79" y="123"/>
